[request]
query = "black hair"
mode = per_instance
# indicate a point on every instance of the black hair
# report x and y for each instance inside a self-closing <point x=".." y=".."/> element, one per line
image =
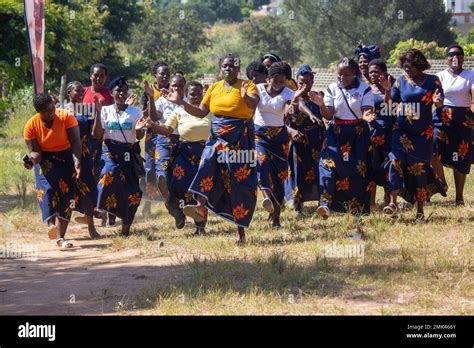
<point x="158" y="64"/>
<point x="41" y="101"/>
<point x="416" y="57"/>
<point x="380" y="63"/>
<point x="255" y="67"/>
<point x="71" y="85"/>
<point x="454" y="46"/>
<point x="179" y="72"/>
<point x="234" y="56"/>
<point x="278" y="68"/>
<point x="270" y="55"/>
<point x="177" y="76"/>
<point x="118" y="82"/>
<point x="349" y="62"/>
<point x="192" y="84"/>
<point x="99" y="66"/>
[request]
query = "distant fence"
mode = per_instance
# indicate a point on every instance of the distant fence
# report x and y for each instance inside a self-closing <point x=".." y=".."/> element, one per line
<point x="324" y="76"/>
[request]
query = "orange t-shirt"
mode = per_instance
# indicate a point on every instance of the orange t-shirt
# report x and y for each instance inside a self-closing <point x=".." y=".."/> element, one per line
<point x="51" y="140"/>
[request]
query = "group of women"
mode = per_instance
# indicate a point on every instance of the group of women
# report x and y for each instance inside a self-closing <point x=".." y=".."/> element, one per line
<point x="276" y="134"/>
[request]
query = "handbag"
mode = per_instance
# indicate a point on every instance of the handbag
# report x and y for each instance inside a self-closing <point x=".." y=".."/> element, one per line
<point x="136" y="159"/>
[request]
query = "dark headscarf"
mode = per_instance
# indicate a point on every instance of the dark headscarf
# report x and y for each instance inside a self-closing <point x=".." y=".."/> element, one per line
<point x="117" y="82"/>
<point x="303" y="70"/>
<point x="371" y="52"/>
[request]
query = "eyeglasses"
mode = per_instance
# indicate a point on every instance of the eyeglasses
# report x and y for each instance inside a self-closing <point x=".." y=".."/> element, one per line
<point x="454" y="54"/>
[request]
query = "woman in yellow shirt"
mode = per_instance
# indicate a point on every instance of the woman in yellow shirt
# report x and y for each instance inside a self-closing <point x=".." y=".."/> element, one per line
<point x="226" y="181"/>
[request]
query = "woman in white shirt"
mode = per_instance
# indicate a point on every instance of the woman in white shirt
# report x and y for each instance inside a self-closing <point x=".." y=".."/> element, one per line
<point x="271" y="138"/>
<point x="121" y="126"/>
<point x="345" y="164"/>
<point x="454" y="122"/>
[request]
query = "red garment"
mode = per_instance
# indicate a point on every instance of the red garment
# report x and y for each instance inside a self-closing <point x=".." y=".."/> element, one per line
<point x="103" y="94"/>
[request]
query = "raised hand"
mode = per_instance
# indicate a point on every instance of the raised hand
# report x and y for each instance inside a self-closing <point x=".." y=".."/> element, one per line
<point x="143" y="122"/>
<point x="243" y="89"/>
<point x="299" y="92"/>
<point x="131" y="99"/>
<point x="316" y="98"/>
<point x="385" y="83"/>
<point x="148" y="89"/>
<point x="97" y="103"/>
<point x="368" y="115"/>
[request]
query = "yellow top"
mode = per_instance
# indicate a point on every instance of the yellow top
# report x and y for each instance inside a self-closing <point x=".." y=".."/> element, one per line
<point x="291" y="85"/>
<point x="226" y="101"/>
<point x="190" y="128"/>
<point x="157" y="93"/>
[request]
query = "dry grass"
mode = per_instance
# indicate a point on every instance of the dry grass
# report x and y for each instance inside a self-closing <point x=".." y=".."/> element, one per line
<point x="407" y="267"/>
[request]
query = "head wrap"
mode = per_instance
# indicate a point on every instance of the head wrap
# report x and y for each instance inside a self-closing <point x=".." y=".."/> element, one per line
<point x="371" y="51"/>
<point x="272" y="56"/>
<point x="117" y="82"/>
<point x="303" y="70"/>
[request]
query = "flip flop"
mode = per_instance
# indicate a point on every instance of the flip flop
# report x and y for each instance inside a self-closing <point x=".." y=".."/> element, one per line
<point x="64" y="244"/>
<point x="193" y="212"/>
<point x="53" y="232"/>
<point x="267" y="204"/>
<point x="390" y="209"/>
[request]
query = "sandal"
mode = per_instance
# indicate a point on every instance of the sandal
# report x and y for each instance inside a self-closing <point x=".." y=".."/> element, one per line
<point x="390" y="209"/>
<point x="53" y="232"/>
<point x="267" y="204"/>
<point x="64" y="244"/>
<point x="194" y="212"/>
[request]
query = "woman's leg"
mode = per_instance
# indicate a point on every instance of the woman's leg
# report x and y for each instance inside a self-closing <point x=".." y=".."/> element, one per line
<point x="392" y="207"/>
<point x="125" y="230"/>
<point x="420" y="214"/>
<point x="62" y="227"/>
<point x="241" y="234"/>
<point x="459" y="182"/>
<point x="386" y="197"/>
<point x="439" y="170"/>
<point x="267" y="202"/>
<point x="276" y="215"/>
<point x="90" y="226"/>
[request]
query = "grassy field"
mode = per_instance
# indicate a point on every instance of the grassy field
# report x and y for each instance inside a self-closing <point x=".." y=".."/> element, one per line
<point x="344" y="265"/>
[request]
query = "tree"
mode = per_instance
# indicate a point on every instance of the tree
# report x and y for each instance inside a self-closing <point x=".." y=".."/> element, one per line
<point x="270" y="33"/>
<point x="338" y="26"/>
<point x="171" y="35"/>
<point x="431" y="50"/>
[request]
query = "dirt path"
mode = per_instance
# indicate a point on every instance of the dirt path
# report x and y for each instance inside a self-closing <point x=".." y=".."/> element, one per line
<point x="88" y="280"/>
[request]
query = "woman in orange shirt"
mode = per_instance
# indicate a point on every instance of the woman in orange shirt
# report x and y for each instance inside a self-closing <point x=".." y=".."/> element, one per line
<point x="54" y="146"/>
<point x="226" y="181"/>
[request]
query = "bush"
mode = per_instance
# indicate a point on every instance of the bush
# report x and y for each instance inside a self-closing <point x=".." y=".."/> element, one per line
<point x="430" y="49"/>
